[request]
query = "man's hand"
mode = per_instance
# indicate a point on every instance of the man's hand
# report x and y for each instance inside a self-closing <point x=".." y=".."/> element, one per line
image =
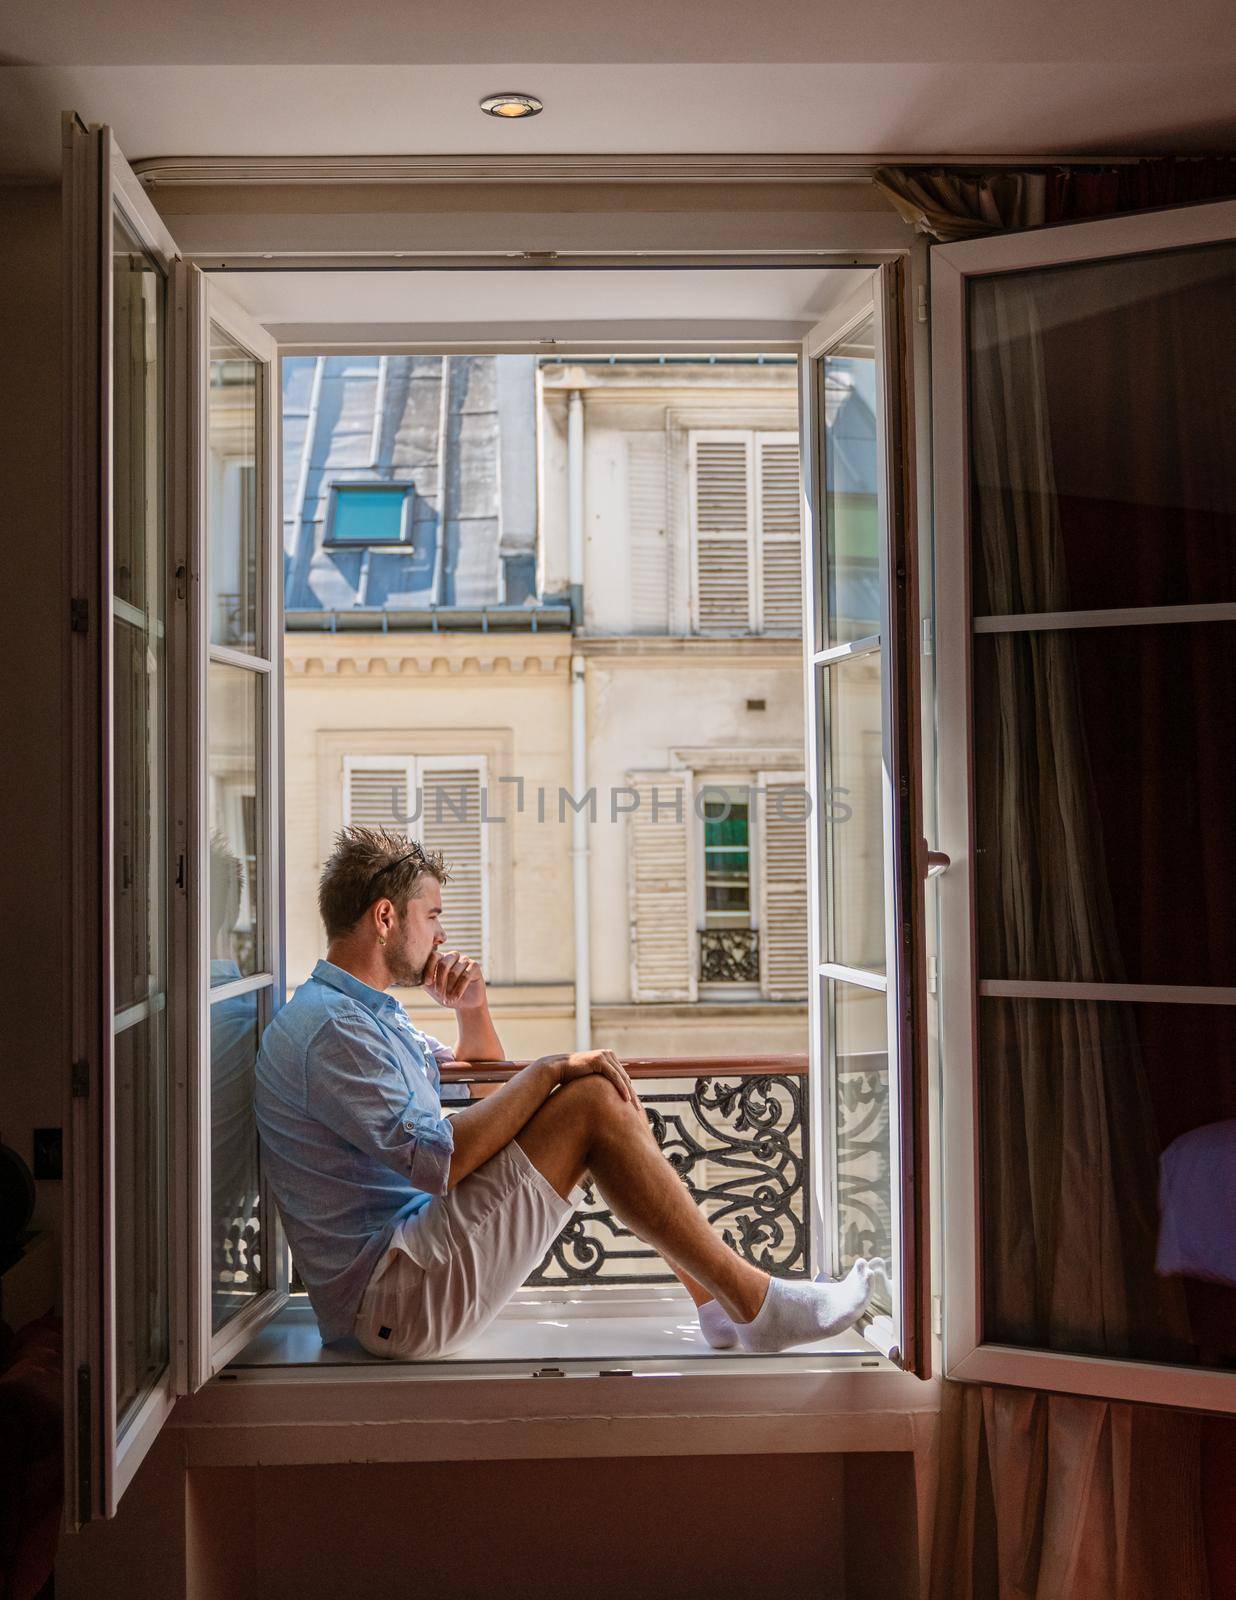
<point x="454" y="980"/>
<point x="588" y="1063"/>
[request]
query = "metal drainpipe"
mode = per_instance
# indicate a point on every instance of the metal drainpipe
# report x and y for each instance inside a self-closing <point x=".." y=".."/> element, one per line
<point x="579" y="722"/>
<point x="575" y="505"/>
<point x="579" y="855"/>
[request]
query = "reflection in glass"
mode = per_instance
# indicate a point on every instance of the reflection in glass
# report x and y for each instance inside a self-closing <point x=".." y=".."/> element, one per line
<point x="238" y="1266"/>
<point x="139" y="877"/>
<point x="858" y="1030"/>
<point x="854" y="816"/>
<point x="1108" y="1159"/>
<point x="851" y="504"/>
<point x="727" y="862"/>
<point x="233" y="494"/>
<point x="1103" y="417"/>
<point x="361" y="515"/>
<point x="237" y="854"/>
<point x="1104" y="776"/>
<point x="137" y="813"/>
<point x="141" y="1210"/>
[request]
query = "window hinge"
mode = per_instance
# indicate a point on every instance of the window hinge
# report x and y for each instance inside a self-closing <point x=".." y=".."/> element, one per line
<point x="80" y="1080"/>
<point x="922" y="302"/>
<point x="79" y="615"/>
<point x="85" y="1446"/>
<point x="932" y="970"/>
<point x="927" y="636"/>
<point x="937" y="1315"/>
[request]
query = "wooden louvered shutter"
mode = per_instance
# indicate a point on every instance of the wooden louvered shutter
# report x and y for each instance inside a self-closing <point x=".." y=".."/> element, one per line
<point x="450" y="821"/>
<point x="782" y="867"/>
<point x="779" y="532"/>
<point x="658" y="888"/>
<point x="721" y="498"/>
<point x="377" y="791"/>
<point x="650" y="571"/>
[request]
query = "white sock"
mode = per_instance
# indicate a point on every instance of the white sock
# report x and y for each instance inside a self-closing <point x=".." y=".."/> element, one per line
<point x="800" y="1313"/>
<point x="716" y="1326"/>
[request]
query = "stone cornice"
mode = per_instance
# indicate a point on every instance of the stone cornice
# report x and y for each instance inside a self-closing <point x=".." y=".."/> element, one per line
<point x="358" y="665"/>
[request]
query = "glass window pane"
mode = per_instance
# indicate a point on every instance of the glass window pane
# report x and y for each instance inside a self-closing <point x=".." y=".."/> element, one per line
<point x="851" y="502"/>
<point x="857" y="1020"/>
<point x="137" y="814"/>
<point x="1104" y="774"/>
<point x="235" y="808"/>
<point x="367" y="516"/>
<point x="141" y="1207"/>
<point x="1103" y="433"/>
<point x="233" y="494"/>
<point x="854" y="813"/>
<point x="1108" y="1145"/>
<point x="239" y="1268"/>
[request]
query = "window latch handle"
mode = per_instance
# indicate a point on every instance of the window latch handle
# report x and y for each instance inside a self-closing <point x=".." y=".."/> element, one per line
<point x="937" y="862"/>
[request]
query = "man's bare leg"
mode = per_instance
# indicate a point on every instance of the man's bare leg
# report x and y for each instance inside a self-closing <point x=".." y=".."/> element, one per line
<point x="586" y="1127"/>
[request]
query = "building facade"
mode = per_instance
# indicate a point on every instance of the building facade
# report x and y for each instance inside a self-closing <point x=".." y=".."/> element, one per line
<point x="548" y="615"/>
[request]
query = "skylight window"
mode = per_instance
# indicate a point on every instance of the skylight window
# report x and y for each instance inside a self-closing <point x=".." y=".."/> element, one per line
<point x="361" y="515"/>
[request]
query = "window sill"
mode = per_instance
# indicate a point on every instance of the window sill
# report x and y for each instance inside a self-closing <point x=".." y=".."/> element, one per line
<point x="535" y="1388"/>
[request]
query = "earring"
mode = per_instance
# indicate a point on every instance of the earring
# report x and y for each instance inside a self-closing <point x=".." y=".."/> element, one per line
<point x="381" y="938"/>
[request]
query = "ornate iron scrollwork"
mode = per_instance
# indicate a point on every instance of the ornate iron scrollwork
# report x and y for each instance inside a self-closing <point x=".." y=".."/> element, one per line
<point x="729" y="955"/>
<point x="740" y="1146"/>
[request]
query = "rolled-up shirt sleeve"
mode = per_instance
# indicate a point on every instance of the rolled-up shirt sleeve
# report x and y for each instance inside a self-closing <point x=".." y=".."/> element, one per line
<point x="356" y="1085"/>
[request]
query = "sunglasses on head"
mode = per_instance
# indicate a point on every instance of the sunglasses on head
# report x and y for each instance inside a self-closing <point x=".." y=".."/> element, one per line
<point x="415" y="854"/>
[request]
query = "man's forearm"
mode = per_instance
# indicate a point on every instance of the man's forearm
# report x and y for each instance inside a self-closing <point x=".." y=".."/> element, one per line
<point x="483" y="1129"/>
<point x="478" y="1038"/>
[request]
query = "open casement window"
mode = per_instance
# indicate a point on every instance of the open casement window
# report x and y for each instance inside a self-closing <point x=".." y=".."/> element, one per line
<point x="1084" y="419"/>
<point x="746" y="534"/>
<point x="440" y="801"/>
<point x="865" y="850"/>
<point x="170" y="434"/>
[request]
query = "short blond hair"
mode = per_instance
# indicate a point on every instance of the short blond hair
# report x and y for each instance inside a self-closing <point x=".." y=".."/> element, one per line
<point x="369" y="864"/>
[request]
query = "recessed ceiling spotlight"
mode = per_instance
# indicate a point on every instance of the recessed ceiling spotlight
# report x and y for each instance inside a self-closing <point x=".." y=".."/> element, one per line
<point x="511" y="105"/>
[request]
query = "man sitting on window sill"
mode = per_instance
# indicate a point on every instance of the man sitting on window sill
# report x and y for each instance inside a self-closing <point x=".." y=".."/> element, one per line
<point x="412" y="1232"/>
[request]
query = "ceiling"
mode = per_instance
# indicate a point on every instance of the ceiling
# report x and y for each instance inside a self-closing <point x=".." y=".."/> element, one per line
<point x="289" y="77"/>
<point x="763" y="306"/>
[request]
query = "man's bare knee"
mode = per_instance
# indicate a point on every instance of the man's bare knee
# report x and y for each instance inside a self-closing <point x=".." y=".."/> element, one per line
<point x="602" y="1104"/>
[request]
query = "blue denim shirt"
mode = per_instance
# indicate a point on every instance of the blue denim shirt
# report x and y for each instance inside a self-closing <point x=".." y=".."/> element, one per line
<point x="353" y="1137"/>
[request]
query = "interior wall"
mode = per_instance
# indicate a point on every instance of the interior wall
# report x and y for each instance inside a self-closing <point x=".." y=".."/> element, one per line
<point x="213" y="220"/>
<point x="33" y="942"/>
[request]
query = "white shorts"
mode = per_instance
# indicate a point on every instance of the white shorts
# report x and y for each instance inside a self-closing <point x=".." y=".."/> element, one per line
<point x="452" y="1267"/>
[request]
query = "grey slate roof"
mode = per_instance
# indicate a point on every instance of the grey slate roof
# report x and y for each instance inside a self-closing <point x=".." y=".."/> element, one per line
<point x="460" y="430"/>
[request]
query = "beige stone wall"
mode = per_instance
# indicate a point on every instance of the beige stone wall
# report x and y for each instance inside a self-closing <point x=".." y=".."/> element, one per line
<point x="506" y="698"/>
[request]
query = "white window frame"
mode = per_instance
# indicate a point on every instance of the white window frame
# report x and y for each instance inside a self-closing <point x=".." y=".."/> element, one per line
<point x="904" y="985"/>
<point x="211" y="306"/>
<point x="412" y="765"/>
<point x="966" y="1355"/>
<point x="101" y="1460"/>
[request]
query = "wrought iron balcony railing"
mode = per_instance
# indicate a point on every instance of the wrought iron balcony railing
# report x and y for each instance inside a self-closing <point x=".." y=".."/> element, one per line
<point x="735" y="1129"/>
<point x="729" y="955"/>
